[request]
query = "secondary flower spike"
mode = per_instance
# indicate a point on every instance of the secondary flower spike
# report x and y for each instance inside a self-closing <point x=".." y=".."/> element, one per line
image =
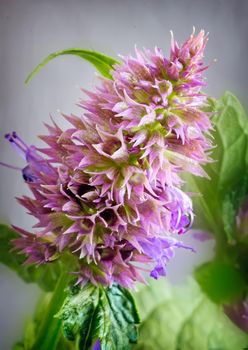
<point x="108" y="188"/>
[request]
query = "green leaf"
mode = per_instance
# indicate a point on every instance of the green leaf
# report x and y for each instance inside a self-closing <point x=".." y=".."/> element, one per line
<point x="231" y="203"/>
<point x="184" y="320"/>
<point x="223" y="283"/>
<point x="220" y="198"/>
<point x="208" y="328"/>
<point x="93" y="313"/>
<point x="77" y="312"/>
<point x="18" y="346"/>
<point x="104" y="64"/>
<point x="163" y="309"/>
<point x="44" y="275"/>
<point x="151" y="295"/>
<point x="228" y="172"/>
<point x="6" y="257"/>
<point x="32" y="325"/>
<point x="231" y="133"/>
<point x="119" y="310"/>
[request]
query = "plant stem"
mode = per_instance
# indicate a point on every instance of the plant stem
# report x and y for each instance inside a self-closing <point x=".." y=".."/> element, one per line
<point x="49" y="331"/>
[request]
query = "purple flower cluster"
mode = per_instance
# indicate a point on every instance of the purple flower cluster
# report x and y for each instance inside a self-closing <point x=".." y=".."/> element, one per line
<point x="108" y="188"/>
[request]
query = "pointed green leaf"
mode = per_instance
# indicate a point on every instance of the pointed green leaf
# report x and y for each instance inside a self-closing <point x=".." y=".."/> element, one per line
<point x="93" y="313"/>
<point x="119" y="308"/>
<point x="104" y="64"/>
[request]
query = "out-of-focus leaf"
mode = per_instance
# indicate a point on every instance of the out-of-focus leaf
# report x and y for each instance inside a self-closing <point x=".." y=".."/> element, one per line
<point x="231" y="133"/>
<point x="18" y="346"/>
<point x="230" y="205"/>
<point x="209" y="329"/>
<point x="220" y="199"/>
<point x="163" y="311"/>
<point x="185" y="320"/>
<point x="32" y="325"/>
<point x="151" y="295"/>
<point x="45" y="276"/>
<point x="48" y="332"/>
<point x="101" y="62"/>
<point x="44" y="331"/>
<point x="93" y="313"/>
<point x="228" y="172"/>
<point x="223" y="283"/>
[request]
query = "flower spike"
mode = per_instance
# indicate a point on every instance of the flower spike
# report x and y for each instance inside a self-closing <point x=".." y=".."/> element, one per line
<point x="108" y="189"/>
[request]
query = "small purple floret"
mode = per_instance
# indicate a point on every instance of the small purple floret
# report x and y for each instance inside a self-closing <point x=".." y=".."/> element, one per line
<point x="97" y="345"/>
<point x="35" y="163"/>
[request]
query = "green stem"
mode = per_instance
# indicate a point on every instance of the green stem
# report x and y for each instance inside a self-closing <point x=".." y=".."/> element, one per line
<point x="49" y="331"/>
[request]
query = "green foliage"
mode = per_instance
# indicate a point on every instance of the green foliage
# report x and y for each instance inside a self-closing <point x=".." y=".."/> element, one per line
<point x="231" y="126"/>
<point x="231" y="203"/>
<point x="88" y="314"/>
<point x="220" y="199"/>
<point x="44" y="275"/>
<point x="182" y="318"/>
<point x="102" y="63"/>
<point x="93" y="313"/>
<point x="221" y="196"/>
<point x="13" y="261"/>
<point x="223" y="283"/>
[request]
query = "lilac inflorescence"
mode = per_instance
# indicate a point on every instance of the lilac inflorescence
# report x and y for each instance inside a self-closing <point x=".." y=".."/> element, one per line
<point x="108" y="188"/>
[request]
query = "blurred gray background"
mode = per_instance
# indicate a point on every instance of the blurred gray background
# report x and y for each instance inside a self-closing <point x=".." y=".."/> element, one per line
<point x="31" y="29"/>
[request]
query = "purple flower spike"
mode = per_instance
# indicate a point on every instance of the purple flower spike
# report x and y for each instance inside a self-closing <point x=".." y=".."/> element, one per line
<point x="108" y="188"/>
